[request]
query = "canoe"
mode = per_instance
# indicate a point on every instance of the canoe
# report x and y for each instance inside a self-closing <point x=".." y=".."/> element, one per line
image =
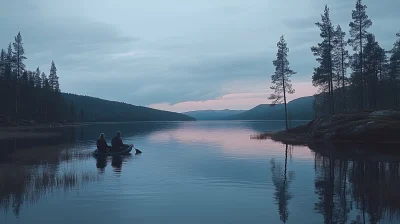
<point x="123" y="152"/>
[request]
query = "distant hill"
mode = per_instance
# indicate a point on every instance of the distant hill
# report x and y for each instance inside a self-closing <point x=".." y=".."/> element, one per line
<point x="95" y="109"/>
<point x="212" y="114"/>
<point x="298" y="109"/>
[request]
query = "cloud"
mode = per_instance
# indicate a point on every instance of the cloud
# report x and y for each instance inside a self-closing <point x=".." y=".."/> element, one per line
<point x="168" y="52"/>
<point x="236" y="101"/>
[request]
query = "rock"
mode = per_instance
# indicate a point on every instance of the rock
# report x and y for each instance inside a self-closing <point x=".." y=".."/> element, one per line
<point x="384" y="113"/>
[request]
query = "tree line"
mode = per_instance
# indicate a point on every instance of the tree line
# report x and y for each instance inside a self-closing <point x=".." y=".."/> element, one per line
<point x="368" y="79"/>
<point x="29" y="94"/>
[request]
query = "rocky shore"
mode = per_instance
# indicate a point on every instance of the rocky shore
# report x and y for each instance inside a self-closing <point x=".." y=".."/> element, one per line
<point x="377" y="126"/>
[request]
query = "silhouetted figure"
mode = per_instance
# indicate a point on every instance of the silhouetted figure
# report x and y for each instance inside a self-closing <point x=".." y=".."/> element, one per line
<point x="117" y="144"/>
<point x="102" y="145"/>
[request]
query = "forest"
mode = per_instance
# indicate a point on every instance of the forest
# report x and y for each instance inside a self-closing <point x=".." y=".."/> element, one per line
<point x="28" y="95"/>
<point x="363" y="78"/>
<point x="31" y="97"/>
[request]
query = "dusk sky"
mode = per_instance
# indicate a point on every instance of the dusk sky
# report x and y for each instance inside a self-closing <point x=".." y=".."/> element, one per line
<point x="179" y="55"/>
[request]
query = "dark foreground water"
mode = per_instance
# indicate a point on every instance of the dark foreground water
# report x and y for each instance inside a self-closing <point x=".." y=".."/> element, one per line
<point x="195" y="172"/>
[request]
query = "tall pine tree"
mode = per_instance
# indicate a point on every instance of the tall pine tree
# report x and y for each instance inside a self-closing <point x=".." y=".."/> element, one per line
<point x="394" y="72"/>
<point x="53" y="78"/>
<point x="372" y="65"/>
<point x="18" y="55"/>
<point x="340" y="61"/>
<point x="281" y="78"/>
<point x="45" y="82"/>
<point x="37" y="79"/>
<point x="2" y="64"/>
<point x="358" y="34"/>
<point x="323" y="75"/>
<point x="3" y="85"/>
<point x="10" y="66"/>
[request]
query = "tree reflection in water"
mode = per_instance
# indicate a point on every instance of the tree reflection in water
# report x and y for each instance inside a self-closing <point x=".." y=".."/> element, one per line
<point x="365" y="184"/>
<point x="282" y="181"/>
<point x="29" y="175"/>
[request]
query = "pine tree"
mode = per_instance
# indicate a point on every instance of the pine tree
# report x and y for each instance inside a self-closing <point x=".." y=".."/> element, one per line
<point x="358" y="33"/>
<point x="53" y="78"/>
<point x="281" y="78"/>
<point x="9" y="65"/>
<point x="341" y="58"/>
<point x="18" y="55"/>
<point x="3" y="83"/>
<point x="45" y="82"/>
<point x="323" y="75"/>
<point x="374" y="56"/>
<point x="37" y="79"/>
<point x="394" y="72"/>
<point x="31" y="78"/>
<point x="2" y="64"/>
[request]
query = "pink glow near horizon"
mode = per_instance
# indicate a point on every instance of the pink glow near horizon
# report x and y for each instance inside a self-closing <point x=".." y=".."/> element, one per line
<point x="236" y="101"/>
<point x="230" y="141"/>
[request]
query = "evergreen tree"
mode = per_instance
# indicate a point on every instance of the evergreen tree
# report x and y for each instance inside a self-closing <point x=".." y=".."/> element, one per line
<point x="323" y="75"/>
<point x="24" y="80"/>
<point x="374" y="56"/>
<point x="394" y="72"/>
<point x="45" y="82"/>
<point x="340" y="61"/>
<point x="3" y="89"/>
<point x="9" y="65"/>
<point x="38" y="80"/>
<point x="53" y="78"/>
<point x="28" y="94"/>
<point x="281" y="78"/>
<point x="358" y="34"/>
<point x="18" y="55"/>
<point x="2" y="64"/>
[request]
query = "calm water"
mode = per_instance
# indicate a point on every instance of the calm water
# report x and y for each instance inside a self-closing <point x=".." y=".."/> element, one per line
<point x="195" y="172"/>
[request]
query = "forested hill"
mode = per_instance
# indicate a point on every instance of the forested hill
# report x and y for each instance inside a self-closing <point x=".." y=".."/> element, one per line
<point x="88" y="108"/>
<point x="212" y="114"/>
<point x="298" y="109"/>
<point x="32" y="97"/>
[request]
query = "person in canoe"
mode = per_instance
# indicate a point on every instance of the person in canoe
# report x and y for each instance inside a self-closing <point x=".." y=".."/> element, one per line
<point x="102" y="145"/>
<point x="117" y="144"/>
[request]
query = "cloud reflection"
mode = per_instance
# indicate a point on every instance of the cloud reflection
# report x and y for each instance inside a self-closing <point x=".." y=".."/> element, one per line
<point x="232" y="141"/>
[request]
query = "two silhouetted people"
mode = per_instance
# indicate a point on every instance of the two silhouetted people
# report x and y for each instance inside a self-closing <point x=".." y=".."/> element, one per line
<point x="116" y="143"/>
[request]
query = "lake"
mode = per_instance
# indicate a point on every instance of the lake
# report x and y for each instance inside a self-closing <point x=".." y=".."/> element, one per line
<point x="195" y="172"/>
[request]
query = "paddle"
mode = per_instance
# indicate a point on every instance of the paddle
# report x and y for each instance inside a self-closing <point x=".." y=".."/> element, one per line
<point x="137" y="150"/>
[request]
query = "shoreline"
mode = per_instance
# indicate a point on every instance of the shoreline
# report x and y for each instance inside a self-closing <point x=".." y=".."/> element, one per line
<point x="26" y="131"/>
<point x="293" y="139"/>
<point x="376" y="127"/>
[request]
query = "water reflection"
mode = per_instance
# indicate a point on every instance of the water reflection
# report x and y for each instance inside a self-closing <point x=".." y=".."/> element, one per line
<point x="366" y="184"/>
<point x="31" y="168"/>
<point x="282" y="181"/>
<point x="199" y="168"/>
<point x="20" y="185"/>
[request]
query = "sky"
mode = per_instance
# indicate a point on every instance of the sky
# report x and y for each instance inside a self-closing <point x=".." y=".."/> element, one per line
<point x="179" y="55"/>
